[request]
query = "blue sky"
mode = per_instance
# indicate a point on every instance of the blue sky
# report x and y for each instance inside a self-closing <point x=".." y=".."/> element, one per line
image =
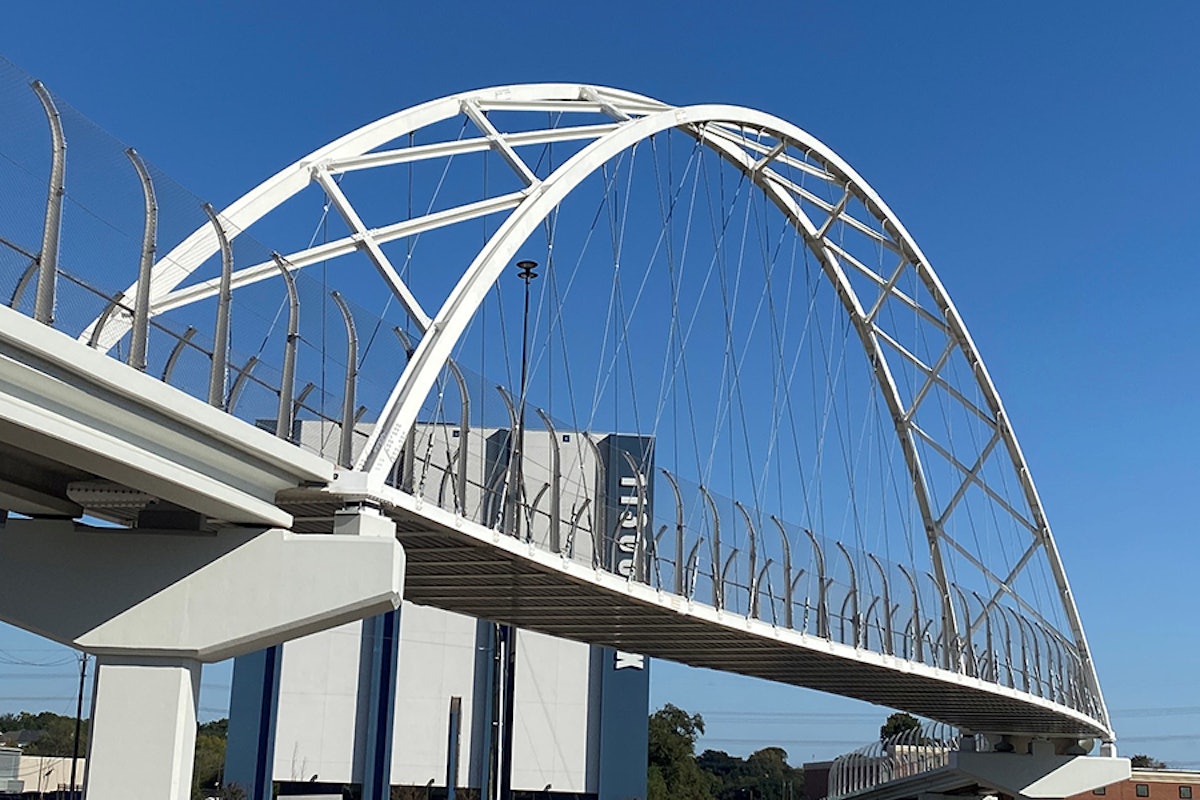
<point x="1044" y="155"/>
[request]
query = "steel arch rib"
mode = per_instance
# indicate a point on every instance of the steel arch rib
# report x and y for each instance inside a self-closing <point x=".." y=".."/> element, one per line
<point x="175" y="267"/>
<point x="450" y="321"/>
<point x="403" y="405"/>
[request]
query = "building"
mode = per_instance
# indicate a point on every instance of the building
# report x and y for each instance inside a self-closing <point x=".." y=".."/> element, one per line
<point x="312" y="715"/>
<point x="1156" y="784"/>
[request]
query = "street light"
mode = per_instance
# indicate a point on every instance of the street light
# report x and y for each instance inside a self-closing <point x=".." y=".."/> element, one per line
<point x="506" y="635"/>
<point x="526" y="274"/>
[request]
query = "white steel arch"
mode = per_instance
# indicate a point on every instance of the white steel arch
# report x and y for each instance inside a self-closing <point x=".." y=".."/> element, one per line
<point x="634" y="118"/>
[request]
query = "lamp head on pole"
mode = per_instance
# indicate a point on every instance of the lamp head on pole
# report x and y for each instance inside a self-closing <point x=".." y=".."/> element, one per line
<point x="527" y="270"/>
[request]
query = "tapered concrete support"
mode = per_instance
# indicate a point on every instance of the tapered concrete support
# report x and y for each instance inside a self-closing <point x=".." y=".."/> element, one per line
<point x="195" y="595"/>
<point x="144" y="730"/>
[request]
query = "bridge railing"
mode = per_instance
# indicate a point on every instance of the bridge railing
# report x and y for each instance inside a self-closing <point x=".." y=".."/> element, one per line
<point x="900" y="755"/>
<point x="713" y="550"/>
<point x="88" y="213"/>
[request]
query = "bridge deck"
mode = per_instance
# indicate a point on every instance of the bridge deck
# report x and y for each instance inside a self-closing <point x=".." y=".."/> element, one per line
<point x="461" y="566"/>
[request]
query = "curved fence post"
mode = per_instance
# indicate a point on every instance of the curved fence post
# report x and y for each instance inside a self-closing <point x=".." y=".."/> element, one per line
<point x="464" y="430"/>
<point x="285" y="415"/>
<point x="139" y="334"/>
<point x="679" y="560"/>
<point x="346" y="445"/>
<point x="752" y="574"/>
<point x="888" y="647"/>
<point x="787" y="572"/>
<point x="555" y="483"/>
<point x="822" y="606"/>
<point x="854" y="616"/>
<point x="718" y="577"/>
<point x="218" y="377"/>
<point x="43" y="306"/>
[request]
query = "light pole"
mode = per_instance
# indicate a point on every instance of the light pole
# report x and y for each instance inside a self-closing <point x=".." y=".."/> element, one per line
<point x="526" y="274"/>
<point x="506" y="635"/>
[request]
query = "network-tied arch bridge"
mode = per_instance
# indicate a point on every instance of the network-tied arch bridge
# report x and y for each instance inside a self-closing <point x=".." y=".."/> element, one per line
<point x="671" y="379"/>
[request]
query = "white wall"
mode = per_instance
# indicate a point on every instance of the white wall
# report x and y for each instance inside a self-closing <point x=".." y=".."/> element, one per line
<point x="437" y="662"/>
<point x="552" y="715"/>
<point x="318" y="692"/>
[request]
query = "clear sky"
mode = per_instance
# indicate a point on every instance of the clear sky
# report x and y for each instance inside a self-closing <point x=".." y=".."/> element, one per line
<point x="1044" y="155"/>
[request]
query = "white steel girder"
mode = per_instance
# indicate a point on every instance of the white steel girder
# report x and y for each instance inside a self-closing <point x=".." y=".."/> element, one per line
<point x="636" y="118"/>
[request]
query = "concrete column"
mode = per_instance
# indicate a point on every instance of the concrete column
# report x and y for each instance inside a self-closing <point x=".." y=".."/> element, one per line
<point x="253" y="708"/>
<point x="143" y="734"/>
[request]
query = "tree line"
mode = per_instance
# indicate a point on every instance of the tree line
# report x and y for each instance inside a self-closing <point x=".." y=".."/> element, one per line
<point x="675" y="772"/>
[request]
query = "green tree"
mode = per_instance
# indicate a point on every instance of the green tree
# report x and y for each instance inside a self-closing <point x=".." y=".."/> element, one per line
<point x="1143" y="761"/>
<point x="45" y="733"/>
<point x="673" y="773"/>
<point x="898" y="723"/>
<point x="764" y="775"/>
<point x="208" y="768"/>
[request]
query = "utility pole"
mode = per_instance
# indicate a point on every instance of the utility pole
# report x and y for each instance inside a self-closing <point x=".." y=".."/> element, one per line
<point x="83" y="657"/>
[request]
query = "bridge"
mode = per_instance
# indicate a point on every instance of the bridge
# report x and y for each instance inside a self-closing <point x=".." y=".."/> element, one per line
<point x="670" y="379"/>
